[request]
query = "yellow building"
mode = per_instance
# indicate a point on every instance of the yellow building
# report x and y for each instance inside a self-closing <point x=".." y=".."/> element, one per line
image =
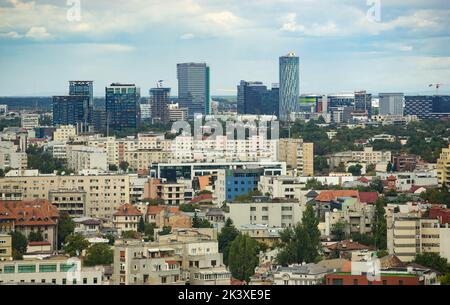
<point x="104" y="193"/>
<point x="5" y="247"/>
<point x="297" y="155"/>
<point x="443" y="167"/>
<point x="64" y="133"/>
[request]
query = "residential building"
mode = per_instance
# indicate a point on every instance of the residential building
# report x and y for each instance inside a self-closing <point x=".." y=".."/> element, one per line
<point x="126" y="218"/>
<point x="64" y="133"/>
<point x="278" y="212"/>
<point x="122" y="106"/>
<point x="391" y="103"/>
<point x="305" y="274"/>
<point x="30" y="120"/>
<point x="411" y="234"/>
<point x="194" y="88"/>
<point x="30" y="216"/>
<point x="269" y="236"/>
<point x="168" y="216"/>
<point x="231" y="183"/>
<point x="85" y="158"/>
<point x="72" y="202"/>
<point x="104" y="193"/>
<point x="5" y="246"/>
<point x="289" y="85"/>
<point x="298" y="156"/>
<point x="443" y="167"/>
<point x="12" y="157"/>
<point x="171" y="193"/>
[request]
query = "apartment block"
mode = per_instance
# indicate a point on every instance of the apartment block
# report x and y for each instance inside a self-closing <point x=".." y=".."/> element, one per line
<point x="104" y="193"/>
<point x="278" y="212"/>
<point x="409" y="235"/>
<point x="64" y="133"/>
<point x="172" y="193"/>
<point x="72" y="202"/>
<point x="443" y="167"/>
<point x="126" y="218"/>
<point x="29" y="120"/>
<point x="84" y="158"/>
<point x="5" y="246"/>
<point x="298" y="155"/>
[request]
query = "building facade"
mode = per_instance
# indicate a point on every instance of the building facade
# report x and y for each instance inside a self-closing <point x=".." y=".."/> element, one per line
<point x="289" y="85"/>
<point x="194" y="88"/>
<point x="122" y="106"/>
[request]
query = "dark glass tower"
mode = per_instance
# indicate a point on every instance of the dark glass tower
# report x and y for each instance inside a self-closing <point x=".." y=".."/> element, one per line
<point x="122" y="106"/>
<point x="250" y="97"/>
<point x="160" y="99"/>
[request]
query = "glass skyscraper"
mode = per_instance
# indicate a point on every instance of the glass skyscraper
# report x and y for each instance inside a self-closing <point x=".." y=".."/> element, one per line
<point x="122" y="106"/>
<point x="363" y="102"/>
<point x="193" y="88"/>
<point x="391" y="103"/>
<point x="159" y="100"/>
<point x="76" y="107"/>
<point x="250" y="97"/>
<point x="289" y="85"/>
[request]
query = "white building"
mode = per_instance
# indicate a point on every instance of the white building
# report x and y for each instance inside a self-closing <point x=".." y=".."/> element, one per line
<point x="305" y="274"/>
<point x="30" y="120"/>
<point x="82" y="157"/>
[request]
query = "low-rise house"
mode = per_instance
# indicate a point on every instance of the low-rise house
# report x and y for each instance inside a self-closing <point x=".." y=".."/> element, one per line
<point x="126" y="218"/>
<point x="305" y="274"/>
<point x="30" y="216"/>
<point x="262" y="233"/>
<point x="345" y="248"/>
<point x="87" y="225"/>
<point x="165" y="216"/>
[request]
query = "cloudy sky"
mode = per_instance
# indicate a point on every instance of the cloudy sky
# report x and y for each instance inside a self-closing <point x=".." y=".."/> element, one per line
<point x="43" y="45"/>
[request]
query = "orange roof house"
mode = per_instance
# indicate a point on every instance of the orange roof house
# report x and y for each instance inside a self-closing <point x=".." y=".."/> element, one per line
<point x="332" y="195"/>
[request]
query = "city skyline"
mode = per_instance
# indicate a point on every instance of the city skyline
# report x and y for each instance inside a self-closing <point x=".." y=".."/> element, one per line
<point x="340" y="48"/>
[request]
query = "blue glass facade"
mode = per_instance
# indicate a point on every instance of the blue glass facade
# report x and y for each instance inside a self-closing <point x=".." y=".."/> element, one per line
<point x="241" y="182"/>
<point x="289" y="85"/>
<point x="70" y="110"/>
<point x="122" y="106"/>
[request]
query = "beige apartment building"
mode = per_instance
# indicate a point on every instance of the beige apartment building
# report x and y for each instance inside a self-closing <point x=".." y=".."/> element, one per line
<point x="297" y="155"/>
<point x="185" y="256"/>
<point x="171" y="193"/>
<point x="72" y="202"/>
<point x="5" y="247"/>
<point x="142" y="159"/>
<point x="443" y="167"/>
<point x="104" y="193"/>
<point x="64" y="133"/>
<point x="409" y="235"/>
<point x="126" y="218"/>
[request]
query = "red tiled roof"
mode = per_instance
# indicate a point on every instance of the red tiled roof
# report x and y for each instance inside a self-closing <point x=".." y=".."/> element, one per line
<point x="127" y="210"/>
<point x="331" y="195"/>
<point x="154" y="209"/>
<point x="29" y="213"/>
<point x="202" y="197"/>
<point x="368" y="197"/>
<point x="38" y="243"/>
<point x="391" y="178"/>
<point x="234" y="281"/>
<point x="348" y="245"/>
<point x="363" y="179"/>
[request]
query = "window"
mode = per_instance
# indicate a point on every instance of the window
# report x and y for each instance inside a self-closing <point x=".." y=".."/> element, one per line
<point x="400" y="282"/>
<point x="47" y="268"/>
<point x="66" y="267"/>
<point x="64" y="281"/>
<point x="252" y="209"/>
<point x="54" y="281"/>
<point x="27" y="268"/>
<point x="85" y="281"/>
<point x="9" y="269"/>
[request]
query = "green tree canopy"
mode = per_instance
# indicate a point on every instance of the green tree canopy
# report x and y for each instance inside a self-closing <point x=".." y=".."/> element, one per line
<point x="99" y="254"/>
<point x="19" y="244"/>
<point x="66" y="226"/>
<point x="35" y="236"/>
<point x="433" y="261"/>
<point x="380" y="227"/>
<point x="242" y="257"/>
<point x="226" y="236"/>
<point x="75" y="244"/>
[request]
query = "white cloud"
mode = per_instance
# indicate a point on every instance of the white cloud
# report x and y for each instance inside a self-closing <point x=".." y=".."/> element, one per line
<point x="187" y="36"/>
<point x="11" y="35"/>
<point x="38" y="33"/>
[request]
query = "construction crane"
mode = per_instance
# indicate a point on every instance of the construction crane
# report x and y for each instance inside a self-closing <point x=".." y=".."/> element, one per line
<point x="437" y="86"/>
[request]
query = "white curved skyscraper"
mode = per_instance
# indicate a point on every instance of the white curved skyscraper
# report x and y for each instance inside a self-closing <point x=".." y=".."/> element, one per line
<point x="289" y="85"/>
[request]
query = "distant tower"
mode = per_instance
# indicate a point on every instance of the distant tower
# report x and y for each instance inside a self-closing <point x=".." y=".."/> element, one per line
<point x="289" y="85"/>
<point x="193" y="88"/>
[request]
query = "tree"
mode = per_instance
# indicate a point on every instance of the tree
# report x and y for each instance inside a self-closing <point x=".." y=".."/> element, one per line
<point x="445" y="279"/>
<point x="377" y="185"/>
<point x="338" y="231"/>
<point x="166" y="230"/>
<point x="66" y="226"/>
<point x="380" y="227"/>
<point x="149" y="230"/>
<point x="111" y="238"/>
<point x="189" y="208"/>
<point x="124" y="166"/>
<point x="247" y="197"/>
<point x="75" y="244"/>
<point x="112" y="167"/>
<point x="141" y="225"/>
<point x="19" y="244"/>
<point x="355" y="170"/>
<point x="35" y="236"/>
<point x="130" y="235"/>
<point x="437" y="195"/>
<point x="301" y="243"/>
<point x="226" y="237"/>
<point x="99" y="254"/>
<point x="433" y="261"/>
<point x="242" y="258"/>
<point x="341" y="168"/>
<point x="389" y="167"/>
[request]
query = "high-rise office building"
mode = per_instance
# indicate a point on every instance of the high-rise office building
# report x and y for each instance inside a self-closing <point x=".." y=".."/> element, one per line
<point x="160" y="100"/>
<point x="122" y="106"/>
<point x="428" y="106"/>
<point x="271" y="101"/>
<point x="70" y="109"/>
<point x="193" y="88"/>
<point x="250" y="97"/>
<point x="289" y="85"/>
<point x="363" y="102"/>
<point x="76" y="108"/>
<point x="391" y="103"/>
